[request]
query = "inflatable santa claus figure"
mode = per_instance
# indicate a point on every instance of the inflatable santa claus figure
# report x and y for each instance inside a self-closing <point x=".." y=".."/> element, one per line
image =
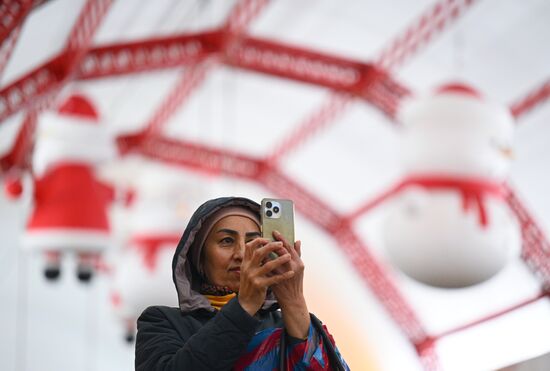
<point x="69" y="213"/>
<point x="142" y="273"/>
<point x="449" y="224"/>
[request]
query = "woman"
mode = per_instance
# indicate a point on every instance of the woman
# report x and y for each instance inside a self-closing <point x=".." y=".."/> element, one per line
<point x="229" y="293"/>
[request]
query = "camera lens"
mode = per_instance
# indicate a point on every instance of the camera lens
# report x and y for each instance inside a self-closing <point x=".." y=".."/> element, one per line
<point x="268" y="205"/>
<point x="268" y="213"/>
<point x="275" y="209"/>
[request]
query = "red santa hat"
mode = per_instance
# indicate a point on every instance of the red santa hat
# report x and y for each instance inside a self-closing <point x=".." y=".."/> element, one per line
<point x="79" y="106"/>
<point x="64" y="135"/>
<point x="459" y="89"/>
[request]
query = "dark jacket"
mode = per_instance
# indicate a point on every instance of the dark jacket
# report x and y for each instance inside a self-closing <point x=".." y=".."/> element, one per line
<point x="170" y="340"/>
<point x="197" y="337"/>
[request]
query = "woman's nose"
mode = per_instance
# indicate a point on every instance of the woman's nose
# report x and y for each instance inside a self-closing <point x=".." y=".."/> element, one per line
<point x="239" y="250"/>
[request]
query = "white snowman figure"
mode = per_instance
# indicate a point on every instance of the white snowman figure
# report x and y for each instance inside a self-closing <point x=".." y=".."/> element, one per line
<point x="142" y="273"/>
<point x="70" y="204"/>
<point x="449" y="225"/>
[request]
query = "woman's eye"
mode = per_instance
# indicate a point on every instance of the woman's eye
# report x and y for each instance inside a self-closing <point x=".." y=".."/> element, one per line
<point x="226" y="241"/>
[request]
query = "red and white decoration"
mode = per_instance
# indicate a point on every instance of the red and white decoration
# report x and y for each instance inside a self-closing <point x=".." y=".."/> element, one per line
<point x="70" y="203"/>
<point x="451" y="226"/>
<point x="142" y="274"/>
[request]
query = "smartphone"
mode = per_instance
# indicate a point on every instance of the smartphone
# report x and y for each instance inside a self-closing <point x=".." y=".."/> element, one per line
<point x="277" y="214"/>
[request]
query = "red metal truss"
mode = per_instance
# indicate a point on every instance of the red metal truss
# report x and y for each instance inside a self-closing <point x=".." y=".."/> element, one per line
<point x="238" y="20"/>
<point x="536" y="248"/>
<point x="432" y="22"/>
<point x="377" y="88"/>
<point x="35" y="86"/>
<point x="191" y="155"/>
<point x="149" y="55"/>
<point x="7" y="48"/>
<point x="32" y="88"/>
<point x="250" y="53"/>
<point x="39" y="88"/>
<point x="327" y="113"/>
<point x="531" y="100"/>
<point x="19" y="157"/>
<point x="494" y="315"/>
<point x="242" y="14"/>
<point x="299" y="64"/>
<point x="87" y="23"/>
<point x="188" y="82"/>
<point x="12" y="14"/>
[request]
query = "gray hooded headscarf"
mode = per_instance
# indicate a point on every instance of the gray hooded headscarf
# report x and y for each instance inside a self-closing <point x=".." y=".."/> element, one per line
<point x="185" y="265"/>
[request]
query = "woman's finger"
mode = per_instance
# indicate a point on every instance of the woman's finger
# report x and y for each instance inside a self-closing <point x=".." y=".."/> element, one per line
<point x="260" y="254"/>
<point x="252" y="246"/>
<point x="290" y="248"/>
<point x="274" y="280"/>
<point x="271" y="265"/>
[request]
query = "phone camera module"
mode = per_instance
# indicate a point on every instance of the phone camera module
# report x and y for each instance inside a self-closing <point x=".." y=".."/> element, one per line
<point x="268" y="213"/>
<point x="276" y="209"/>
<point x="269" y="205"/>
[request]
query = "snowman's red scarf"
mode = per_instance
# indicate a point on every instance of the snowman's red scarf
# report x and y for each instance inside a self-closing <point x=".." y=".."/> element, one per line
<point x="473" y="191"/>
<point x="150" y="245"/>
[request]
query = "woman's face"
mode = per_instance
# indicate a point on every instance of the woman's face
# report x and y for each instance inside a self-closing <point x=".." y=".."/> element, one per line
<point x="224" y="249"/>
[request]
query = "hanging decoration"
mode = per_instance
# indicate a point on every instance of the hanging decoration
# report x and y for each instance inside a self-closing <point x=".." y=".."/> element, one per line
<point x="70" y="203"/>
<point x="450" y="226"/>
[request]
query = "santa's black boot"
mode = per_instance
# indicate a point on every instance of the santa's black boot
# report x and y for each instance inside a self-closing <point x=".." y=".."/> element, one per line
<point x="129" y="337"/>
<point x="52" y="273"/>
<point x="52" y="270"/>
<point x="84" y="273"/>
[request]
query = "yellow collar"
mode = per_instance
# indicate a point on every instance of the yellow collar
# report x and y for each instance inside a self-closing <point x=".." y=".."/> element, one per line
<point x="219" y="301"/>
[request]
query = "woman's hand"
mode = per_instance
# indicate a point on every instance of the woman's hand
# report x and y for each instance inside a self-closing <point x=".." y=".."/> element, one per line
<point x="290" y="293"/>
<point x="256" y="277"/>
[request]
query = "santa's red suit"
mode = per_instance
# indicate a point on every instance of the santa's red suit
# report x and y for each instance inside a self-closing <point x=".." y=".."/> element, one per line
<point x="70" y="210"/>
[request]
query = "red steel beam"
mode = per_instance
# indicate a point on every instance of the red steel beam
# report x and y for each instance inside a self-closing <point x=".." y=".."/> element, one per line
<point x="264" y="56"/>
<point x="45" y="80"/>
<point x="242" y="14"/>
<point x="39" y="88"/>
<point x="150" y="55"/>
<point x="312" y="124"/>
<point x="383" y="93"/>
<point x="299" y="64"/>
<point x="255" y="54"/>
<point x="12" y="15"/>
<point x="18" y="158"/>
<point x="536" y="247"/>
<point x="188" y="154"/>
<point x="32" y="88"/>
<point x="422" y="31"/>
<point x="6" y="49"/>
<point x="238" y="20"/>
<point x="531" y="100"/>
<point x="187" y="82"/>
